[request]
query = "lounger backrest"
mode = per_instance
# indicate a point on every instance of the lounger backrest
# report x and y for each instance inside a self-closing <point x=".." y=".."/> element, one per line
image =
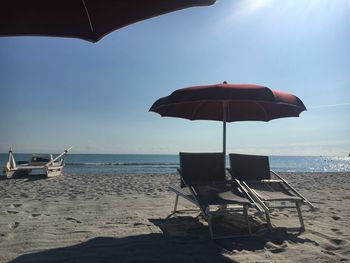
<point x="202" y="168"/>
<point x="249" y="167"/>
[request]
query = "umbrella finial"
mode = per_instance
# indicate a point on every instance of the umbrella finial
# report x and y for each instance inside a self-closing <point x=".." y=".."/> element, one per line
<point x="225" y="82"/>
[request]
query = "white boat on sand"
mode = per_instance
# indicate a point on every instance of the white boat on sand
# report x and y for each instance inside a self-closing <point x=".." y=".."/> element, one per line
<point x="45" y="162"/>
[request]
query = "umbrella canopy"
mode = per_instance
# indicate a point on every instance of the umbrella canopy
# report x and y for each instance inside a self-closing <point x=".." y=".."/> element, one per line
<point x="228" y="103"/>
<point x="86" y="19"/>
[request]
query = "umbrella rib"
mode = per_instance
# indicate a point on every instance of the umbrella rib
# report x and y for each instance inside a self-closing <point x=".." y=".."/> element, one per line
<point x="261" y="107"/>
<point x="88" y="16"/>
<point x="196" y="109"/>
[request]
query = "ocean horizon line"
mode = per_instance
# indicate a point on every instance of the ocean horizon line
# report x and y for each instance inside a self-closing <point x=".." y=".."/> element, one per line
<point x="173" y="154"/>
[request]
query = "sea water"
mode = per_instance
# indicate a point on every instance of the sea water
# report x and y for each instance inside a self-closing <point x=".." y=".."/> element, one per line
<point x="151" y="163"/>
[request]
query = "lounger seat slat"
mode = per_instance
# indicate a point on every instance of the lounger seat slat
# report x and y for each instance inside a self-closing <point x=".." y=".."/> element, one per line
<point x="219" y="194"/>
<point x="272" y="191"/>
<point x="183" y="192"/>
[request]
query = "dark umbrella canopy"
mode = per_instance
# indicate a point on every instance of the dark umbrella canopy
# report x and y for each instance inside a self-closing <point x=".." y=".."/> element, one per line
<point x="239" y="102"/>
<point x="86" y="19"/>
<point x="228" y="103"/>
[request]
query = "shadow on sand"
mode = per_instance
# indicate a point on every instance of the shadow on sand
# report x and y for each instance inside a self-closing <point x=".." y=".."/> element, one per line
<point x="274" y="241"/>
<point x="261" y="239"/>
<point x="26" y="178"/>
<point x="141" y="248"/>
<point x="184" y="239"/>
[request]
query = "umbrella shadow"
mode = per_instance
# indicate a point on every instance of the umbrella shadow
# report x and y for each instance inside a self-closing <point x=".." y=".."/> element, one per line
<point x="141" y="248"/>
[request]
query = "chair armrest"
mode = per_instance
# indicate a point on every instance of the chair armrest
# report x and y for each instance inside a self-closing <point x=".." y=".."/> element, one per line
<point x="266" y="181"/>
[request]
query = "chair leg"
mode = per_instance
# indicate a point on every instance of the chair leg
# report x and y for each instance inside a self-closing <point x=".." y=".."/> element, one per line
<point x="210" y="225"/>
<point x="245" y="213"/>
<point x="268" y="220"/>
<point x="302" y="226"/>
<point x="176" y="200"/>
<point x="175" y="208"/>
<point x="209" y="217"/>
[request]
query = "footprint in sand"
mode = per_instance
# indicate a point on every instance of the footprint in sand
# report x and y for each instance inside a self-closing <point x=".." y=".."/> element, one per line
<point x="34" y="215"/>
<point x="338" y="242"/>
<point x="336" y="230"/>
<point x="24" y="195"/>
<point x="13" y="225"/>
<point x="12" y="212"/>
<point x="15" y="205"/>
<point x="336" y="218"/>
<point x="328" y="252"/>
<point x="274" y="248"/>
<point x="73" y="219"/>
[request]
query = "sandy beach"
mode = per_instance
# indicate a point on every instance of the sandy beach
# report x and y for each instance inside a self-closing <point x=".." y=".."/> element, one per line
<point x="121" y="218"/>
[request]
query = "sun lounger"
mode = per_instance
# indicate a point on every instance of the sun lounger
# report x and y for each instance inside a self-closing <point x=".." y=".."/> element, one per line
<point x="204" y="184"/>
<point x="253" y="171"/>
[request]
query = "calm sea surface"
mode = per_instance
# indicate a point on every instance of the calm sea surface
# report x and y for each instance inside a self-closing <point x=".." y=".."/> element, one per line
<point x="145" y="163"/>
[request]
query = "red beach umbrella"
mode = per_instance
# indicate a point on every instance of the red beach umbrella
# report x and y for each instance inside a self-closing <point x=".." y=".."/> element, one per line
<point x="85" y="19"/>
<point x="229" y="103"/>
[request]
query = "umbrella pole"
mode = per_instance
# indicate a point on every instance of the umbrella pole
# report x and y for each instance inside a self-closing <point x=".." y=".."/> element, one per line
<point x="224" y="138"/>
<point x="223" y="208"/>
<point x="224" y="128"/>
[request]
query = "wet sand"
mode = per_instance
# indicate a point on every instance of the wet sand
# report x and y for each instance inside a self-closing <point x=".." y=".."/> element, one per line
<point x="121" y="218"/>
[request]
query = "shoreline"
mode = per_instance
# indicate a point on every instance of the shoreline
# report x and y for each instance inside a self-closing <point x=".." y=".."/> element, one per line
<point x="85" y="218"/>
<point x="164" y="164"/>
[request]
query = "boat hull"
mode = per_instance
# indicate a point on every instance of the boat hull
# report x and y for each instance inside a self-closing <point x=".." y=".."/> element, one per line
<point x="44" y="164"/>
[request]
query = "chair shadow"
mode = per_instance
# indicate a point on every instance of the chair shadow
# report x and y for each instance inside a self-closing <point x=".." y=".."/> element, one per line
<point x="260" y="240"/>
<point x="272" y="241"/>
<point x="181" y="224"/>
<point x="140" y="248"/>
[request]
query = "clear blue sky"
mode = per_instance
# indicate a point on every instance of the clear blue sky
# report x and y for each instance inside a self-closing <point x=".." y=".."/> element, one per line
<point x="58" y="92"/>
